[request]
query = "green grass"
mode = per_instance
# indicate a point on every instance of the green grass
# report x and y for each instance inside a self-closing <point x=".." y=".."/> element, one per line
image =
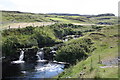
<point x="102" y="43"/>
<point x="103" y="50"/>
<point x="61" y="20"/>
<point x="14" y="17"/>
<point x="111" y="20"/>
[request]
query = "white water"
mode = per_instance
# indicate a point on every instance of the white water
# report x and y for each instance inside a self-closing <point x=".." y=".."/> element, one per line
<point x="50" y="69"/>
<point x="53" y="51"/>
<point x="20" y="58"/>
<point x="40" y="56"/>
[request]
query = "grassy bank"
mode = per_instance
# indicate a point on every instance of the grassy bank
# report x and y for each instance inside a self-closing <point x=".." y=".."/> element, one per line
<point x="106" y="49"/>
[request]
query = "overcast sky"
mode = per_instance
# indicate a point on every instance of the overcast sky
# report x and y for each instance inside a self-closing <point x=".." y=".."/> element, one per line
<point x="61" y="6"/>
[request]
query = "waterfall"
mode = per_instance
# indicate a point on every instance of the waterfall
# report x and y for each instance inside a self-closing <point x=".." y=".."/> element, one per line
<point x="40" y="55"/>
<point x="21" y="55"/>
<point x="20" y="58"/>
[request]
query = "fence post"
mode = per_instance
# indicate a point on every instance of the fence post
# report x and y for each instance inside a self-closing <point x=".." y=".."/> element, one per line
<point x="91" y="65"/>
<point x="9" y="27"/>
<point x="99" y="60"/>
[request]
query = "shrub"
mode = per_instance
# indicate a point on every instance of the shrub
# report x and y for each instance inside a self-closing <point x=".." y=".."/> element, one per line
<point x="10" y="45"/>
<point x="74" y="50"/>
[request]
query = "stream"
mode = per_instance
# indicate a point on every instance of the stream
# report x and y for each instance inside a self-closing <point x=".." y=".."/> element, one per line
<point x="32" y="71"/>
<point x="22" y="70"/>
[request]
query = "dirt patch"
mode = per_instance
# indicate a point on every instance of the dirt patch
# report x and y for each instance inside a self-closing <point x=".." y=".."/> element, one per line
<point x="110" y="62"/>
<point x="22" y="25"/>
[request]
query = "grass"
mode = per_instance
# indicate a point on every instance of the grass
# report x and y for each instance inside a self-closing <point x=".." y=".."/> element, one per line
<point x="106" y="46"/>
<point x="103" y="50"/>
<point x="15" y="17"/>
<point x="61" y="20"/>
<point x="102" y="19"/>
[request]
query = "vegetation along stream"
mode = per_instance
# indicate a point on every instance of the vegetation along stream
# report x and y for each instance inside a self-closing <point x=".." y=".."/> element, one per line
<point x="62" y="49"/>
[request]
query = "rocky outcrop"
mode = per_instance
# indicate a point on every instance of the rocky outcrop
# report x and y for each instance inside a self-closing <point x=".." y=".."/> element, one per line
<point x="30" y="55"/>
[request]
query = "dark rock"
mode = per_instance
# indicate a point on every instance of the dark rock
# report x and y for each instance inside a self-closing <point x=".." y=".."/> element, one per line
<point x="30" y="54"/>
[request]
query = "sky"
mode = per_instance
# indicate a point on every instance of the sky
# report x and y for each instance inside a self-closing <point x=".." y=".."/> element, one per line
<point x="92" y="7"/>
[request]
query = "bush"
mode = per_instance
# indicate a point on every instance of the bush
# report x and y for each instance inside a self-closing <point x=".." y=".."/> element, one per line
<point x="43" y="40"/>
<point x="19" y="31"/>
<point x="10" y="45"/>
<point x="29" y="36"/>
<point x="74" y="50"/>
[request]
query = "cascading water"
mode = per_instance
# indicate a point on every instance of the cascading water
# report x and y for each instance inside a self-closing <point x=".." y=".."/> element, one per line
<point x="20" y="58"/>
<point x="50" y="69"/>
<point x="40" y="55"/>
<point x="41" y="69"/>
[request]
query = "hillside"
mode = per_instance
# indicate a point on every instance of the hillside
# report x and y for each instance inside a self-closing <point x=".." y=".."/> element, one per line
<point x="16" y="18"/>
<point x="89" y="43"/>
<point x="103" y="61"/>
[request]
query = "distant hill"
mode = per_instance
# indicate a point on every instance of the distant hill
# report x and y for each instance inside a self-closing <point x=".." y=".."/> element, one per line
<point x="16" y="12"/>
<point x="67" y="14"/>
<point x="17" y="16"/>
<point x="64" y="14"/>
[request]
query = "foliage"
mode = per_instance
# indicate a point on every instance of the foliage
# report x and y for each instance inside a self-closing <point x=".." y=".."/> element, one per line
<point x="43" y="40"/>
<point x="71" y="51"/>
<point x="10" y="45"/>
<point x="97" y="27"/>
<point x="34" y="36"/>
<point x="62" y="30"/>
<point x="104" y="51"/>
<point x="74" y="50"/>
<point x="20" y="31"/>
